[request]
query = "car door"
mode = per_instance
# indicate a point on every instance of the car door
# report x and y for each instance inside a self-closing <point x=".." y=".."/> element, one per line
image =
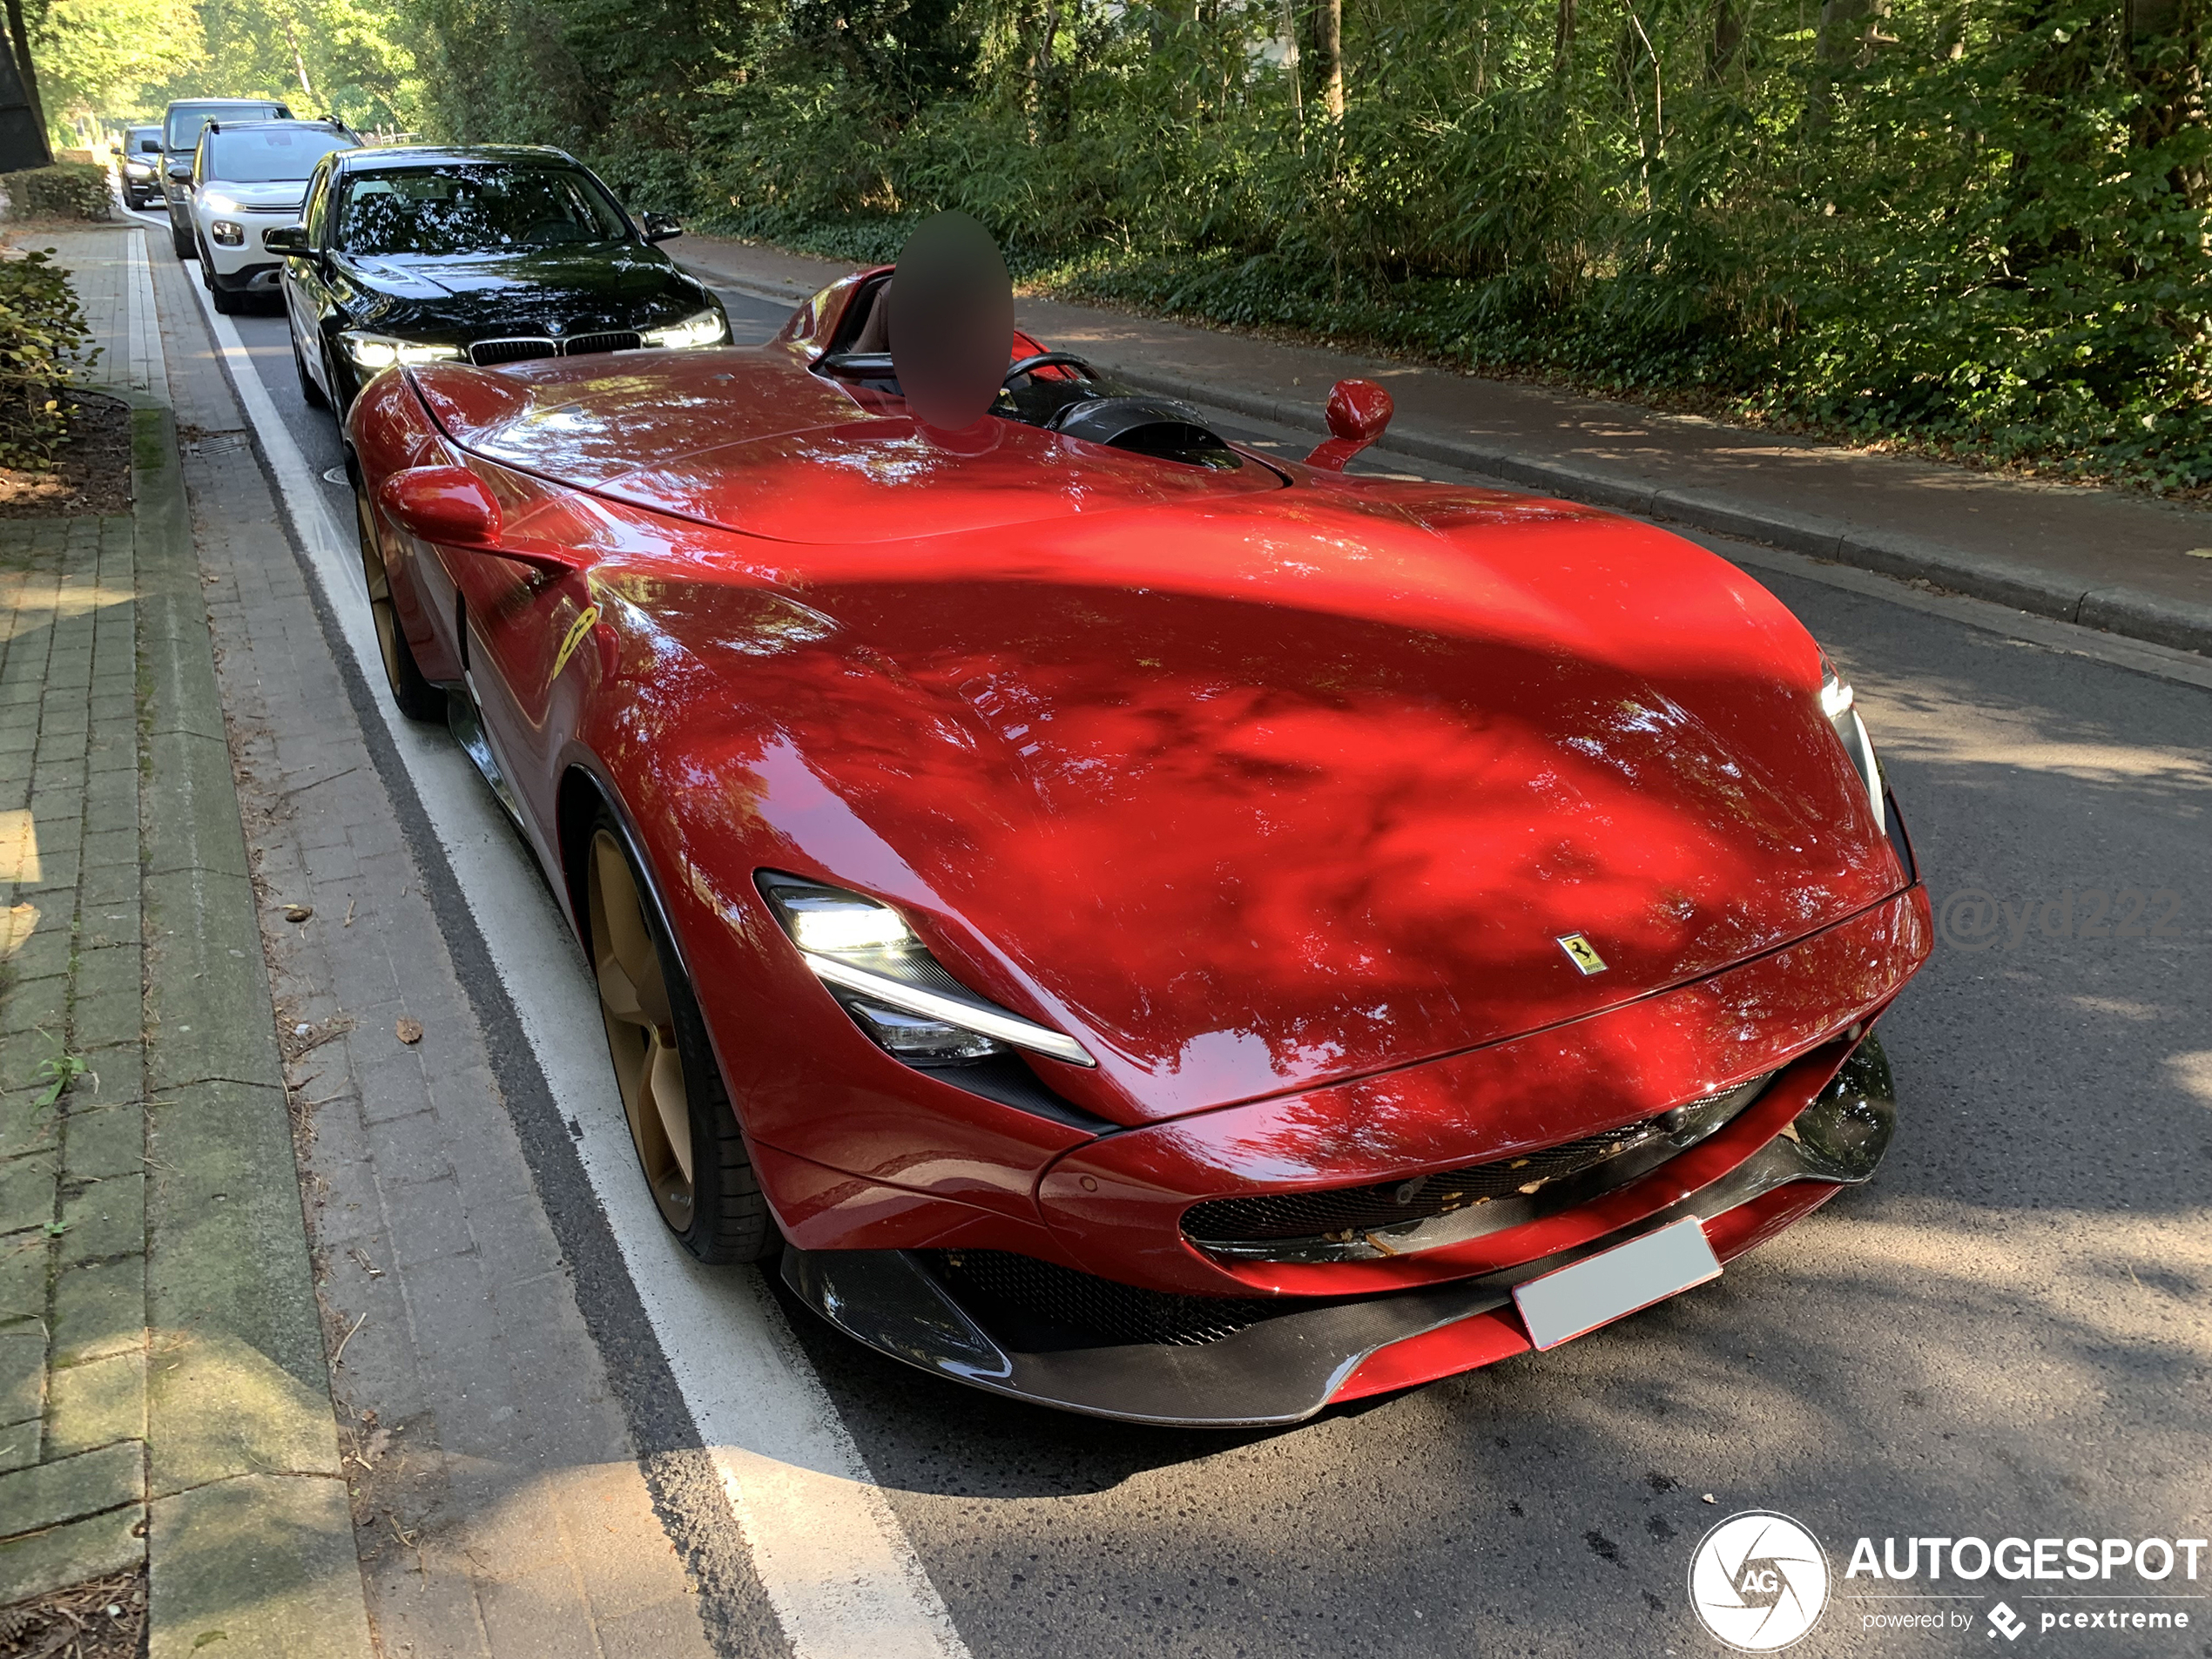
<point x="306" y="289"/>
<point x="524" y="629"/>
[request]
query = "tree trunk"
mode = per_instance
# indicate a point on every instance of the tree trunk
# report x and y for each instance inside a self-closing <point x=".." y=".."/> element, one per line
<point x="1563" y="39"/>
<point x="1329" y="20"/>
<point x="300" y="63"/>
<point x="2167" y="41"/>
<point x="1727" y="41"/>
<point x="24" y="67"/>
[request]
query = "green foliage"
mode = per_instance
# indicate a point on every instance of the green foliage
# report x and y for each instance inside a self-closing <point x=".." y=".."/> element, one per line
<point x="66" y="190"/>
<point x="41" y="329"/>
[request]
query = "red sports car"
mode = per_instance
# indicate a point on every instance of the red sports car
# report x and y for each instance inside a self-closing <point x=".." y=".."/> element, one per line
<point x="1139" y="924"/>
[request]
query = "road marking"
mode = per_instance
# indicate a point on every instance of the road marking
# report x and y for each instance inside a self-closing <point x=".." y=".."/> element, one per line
<point x="834" y="1560"/>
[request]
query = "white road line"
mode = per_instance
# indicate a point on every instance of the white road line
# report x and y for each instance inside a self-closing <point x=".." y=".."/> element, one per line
<point x="833" y="1559"/>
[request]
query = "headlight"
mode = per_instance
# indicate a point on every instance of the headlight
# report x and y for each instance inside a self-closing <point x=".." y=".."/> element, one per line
<point x="1836" y="702"/>
<point x="224" y="234"/>
<point x="381" y="351"/>
<point x="218" y="202"/>
<point x="893" y="989"/>
<point x="138" y="170"/>
<point x="705" y="329"/>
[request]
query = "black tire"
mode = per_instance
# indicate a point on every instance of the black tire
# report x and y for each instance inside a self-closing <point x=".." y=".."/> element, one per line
<point x="719" y="1214"/>
<point x="417" y="696"/>
<point x="183" y="244"/>
<point x="310" y="394"/>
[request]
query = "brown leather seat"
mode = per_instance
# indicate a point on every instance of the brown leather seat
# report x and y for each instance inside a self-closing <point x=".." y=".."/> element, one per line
<point x="875" y="331"/>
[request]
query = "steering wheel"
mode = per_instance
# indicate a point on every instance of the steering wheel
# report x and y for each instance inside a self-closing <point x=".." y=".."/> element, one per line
<point x="1048" y="360"/>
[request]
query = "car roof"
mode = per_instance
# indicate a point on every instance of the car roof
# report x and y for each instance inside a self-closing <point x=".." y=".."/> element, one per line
<point x="227" y="103"/>
<point x="374" y="157"/>
<point x="289" y="123"/>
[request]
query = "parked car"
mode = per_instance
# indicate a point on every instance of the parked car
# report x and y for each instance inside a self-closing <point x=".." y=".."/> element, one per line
<point x="1133" y="924"/>
<point x="181" y="126"/>
<point x="489" y="255"/>
<point x="247" y="181"/>
<point x="139" y="160"/>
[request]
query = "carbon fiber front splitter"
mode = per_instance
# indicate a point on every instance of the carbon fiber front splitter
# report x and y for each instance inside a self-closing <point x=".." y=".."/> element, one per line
<point x="1286" y="1369"/>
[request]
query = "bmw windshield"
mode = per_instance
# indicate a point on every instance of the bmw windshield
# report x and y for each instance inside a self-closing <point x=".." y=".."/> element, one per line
<point x="457" y="208"/>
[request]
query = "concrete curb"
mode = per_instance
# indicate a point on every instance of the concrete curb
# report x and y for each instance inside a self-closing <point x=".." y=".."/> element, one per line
<point x="251" y="1543"/>
<point x="2116" y="608"/>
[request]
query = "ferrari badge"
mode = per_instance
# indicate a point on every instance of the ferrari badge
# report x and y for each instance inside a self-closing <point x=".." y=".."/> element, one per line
<point x="1582" y="954"/>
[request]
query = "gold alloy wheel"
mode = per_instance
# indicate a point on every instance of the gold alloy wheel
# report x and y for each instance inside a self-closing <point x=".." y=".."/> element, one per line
<point x="379" y="590"/>
<point x="641" y="1031"/>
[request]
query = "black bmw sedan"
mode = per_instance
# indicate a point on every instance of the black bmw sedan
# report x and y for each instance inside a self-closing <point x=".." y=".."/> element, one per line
<point x="484" y="255"/>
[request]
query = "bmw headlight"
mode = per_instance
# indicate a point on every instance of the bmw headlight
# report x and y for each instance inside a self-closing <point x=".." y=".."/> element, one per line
<point x="705" y="329"/>
<point x="381" y="351"/>
<point x="1836" y="703"/>
<point x="897" y="993"/>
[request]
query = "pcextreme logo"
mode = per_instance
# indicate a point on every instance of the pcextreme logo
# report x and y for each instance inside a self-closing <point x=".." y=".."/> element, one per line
<point x="1759" y="1581"/>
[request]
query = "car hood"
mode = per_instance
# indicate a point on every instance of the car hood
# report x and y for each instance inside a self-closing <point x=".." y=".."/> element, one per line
<point x="1275" y="789"/>
<point x="283" y="193"/>
<point x="547" y="290"/>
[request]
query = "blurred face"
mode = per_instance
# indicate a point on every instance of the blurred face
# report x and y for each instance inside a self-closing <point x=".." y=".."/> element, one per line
<point x="952" y="321"/>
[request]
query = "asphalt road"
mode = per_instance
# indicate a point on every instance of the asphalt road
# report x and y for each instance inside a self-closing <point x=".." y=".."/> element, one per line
<point x="2006" y="1334"/>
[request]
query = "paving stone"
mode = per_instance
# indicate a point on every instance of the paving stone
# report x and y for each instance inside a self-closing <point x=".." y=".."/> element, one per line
<point x="27" y="1191"/>
<point x="107" y="1219"/>
<point x="108" y="1140"/>
<point x="105" y="1007"/>
<point x="67" y="1488"/>
<point x="96" y="1403"/>
<point x="25" y="1266"/>
<point x="46" y="951"/>
<point x="36" y="1006"/>
<point x="99" y="1310"/>
<point x="114" y="1542"/>
<point x="28" y="1120"/>
<point x="21" y="1444"/>
<point x="258" y="1568"/>
<point x="22" y="1374"/>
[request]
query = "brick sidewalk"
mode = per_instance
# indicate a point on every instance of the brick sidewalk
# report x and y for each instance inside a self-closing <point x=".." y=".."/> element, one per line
<point x="162" y="1372"/>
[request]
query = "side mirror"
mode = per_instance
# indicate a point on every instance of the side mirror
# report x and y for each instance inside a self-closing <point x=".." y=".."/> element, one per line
<point x="180" y="172"/>
<point x="1359" y="413"/>
<point x="451" y="507"/>
<point x="286" y="238"/>
<point x="660" y="227"/>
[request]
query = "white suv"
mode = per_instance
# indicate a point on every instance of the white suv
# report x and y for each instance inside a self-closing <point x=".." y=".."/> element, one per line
<point x="249" y="179"/>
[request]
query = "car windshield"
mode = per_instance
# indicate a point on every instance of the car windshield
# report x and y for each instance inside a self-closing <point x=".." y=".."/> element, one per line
<point x="463" y="208"/>
<point x="181" y="129"/>
<point x="257" y="155"/>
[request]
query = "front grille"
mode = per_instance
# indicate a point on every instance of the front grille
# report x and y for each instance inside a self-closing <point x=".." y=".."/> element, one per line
<point x="485" y="352"/>
<point x="585" y="345"/>
<point x="1343" y="1214"/>
<point x="1036" y="1306"/>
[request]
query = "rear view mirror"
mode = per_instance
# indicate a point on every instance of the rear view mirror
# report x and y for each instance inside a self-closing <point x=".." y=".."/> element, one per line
<point x="660" y="227"/>
<point x="447" y="505"/>
<point x="286" y="238"/>
<point x="180" y="172"/>
<point x="451" y="507"/>
<point x="1359" y="412"/>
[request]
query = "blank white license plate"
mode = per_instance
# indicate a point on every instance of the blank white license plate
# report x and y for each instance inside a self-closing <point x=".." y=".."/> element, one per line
<point x="1613" y="1284"/>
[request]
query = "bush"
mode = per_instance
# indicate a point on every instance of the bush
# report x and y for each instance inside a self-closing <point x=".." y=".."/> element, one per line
<point x="67" y="190"/>
<point x="40" y="327"/>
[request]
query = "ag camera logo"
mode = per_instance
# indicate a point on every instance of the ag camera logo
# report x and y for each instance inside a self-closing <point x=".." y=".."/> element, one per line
<point x="1759" y="1581"/>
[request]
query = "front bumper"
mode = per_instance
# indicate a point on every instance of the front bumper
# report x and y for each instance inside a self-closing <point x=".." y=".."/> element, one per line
<point x="1284" y="1368"/>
